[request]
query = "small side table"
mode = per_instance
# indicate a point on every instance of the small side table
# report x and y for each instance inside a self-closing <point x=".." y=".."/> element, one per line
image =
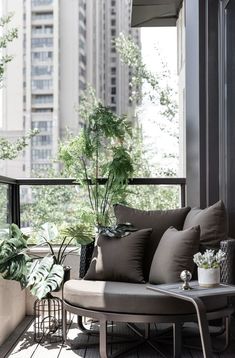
<point x="194" y="296"/>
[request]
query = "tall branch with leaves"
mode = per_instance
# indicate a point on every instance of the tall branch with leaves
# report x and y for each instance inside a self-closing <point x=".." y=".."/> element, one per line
<point x="100" y="150"/>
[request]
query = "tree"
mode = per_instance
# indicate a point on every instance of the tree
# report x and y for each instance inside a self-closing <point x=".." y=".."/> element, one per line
<point x="9" y="150"/>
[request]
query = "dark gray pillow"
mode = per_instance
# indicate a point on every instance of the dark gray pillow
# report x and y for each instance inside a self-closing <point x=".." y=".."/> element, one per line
<point x="213" y="224"/>
<point x="174" y="254"/>
<point x="119" y="259"/>
<point x="158" y="220"/>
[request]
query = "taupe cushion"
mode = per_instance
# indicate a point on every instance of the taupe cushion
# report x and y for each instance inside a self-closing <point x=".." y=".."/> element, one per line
<point x="119" y="259"/>
<point x="213" y="224"/>
<point x="158" y="220"/>
<point x="174" y="254"/>
<point x="133" y="298"/>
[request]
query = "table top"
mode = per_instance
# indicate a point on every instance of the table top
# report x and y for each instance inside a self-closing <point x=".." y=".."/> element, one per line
<point x="197" y="291"/>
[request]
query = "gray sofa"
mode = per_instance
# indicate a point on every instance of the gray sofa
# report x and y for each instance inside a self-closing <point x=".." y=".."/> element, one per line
<point x="132" y="302"/>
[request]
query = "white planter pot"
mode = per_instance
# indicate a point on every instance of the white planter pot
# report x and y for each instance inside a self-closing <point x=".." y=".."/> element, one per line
<point x="208" y="277"/>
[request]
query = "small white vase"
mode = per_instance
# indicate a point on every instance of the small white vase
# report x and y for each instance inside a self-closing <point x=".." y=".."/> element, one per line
<point x="208" y="277"/>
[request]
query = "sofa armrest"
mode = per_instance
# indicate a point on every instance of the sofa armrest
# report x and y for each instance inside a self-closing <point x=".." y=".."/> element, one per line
<point x="228" y="265"/>
<point x="85" y="258"/>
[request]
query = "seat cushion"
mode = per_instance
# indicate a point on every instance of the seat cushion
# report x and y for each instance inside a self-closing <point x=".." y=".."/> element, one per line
<point x="158" y="220"/>
<point x="213" y="224"/>
<point x="119" y="259"/>
<point x="122" y="297"/>
<point x="174" y="254"/>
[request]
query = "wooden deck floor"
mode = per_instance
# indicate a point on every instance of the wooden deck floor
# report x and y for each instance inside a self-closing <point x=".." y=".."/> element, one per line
<point x="21" y="345"/>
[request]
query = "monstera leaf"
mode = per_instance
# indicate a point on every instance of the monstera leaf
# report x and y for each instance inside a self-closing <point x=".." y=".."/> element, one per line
<point x="13" y="258"/>
<point x="44" y="276"/>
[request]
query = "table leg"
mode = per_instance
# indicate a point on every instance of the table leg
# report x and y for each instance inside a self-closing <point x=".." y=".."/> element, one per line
<point x="203" y="327"/>
<point x="177" y="340"/>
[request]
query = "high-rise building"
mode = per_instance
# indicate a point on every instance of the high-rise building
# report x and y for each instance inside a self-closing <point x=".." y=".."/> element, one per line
<point x="63" y="46"/>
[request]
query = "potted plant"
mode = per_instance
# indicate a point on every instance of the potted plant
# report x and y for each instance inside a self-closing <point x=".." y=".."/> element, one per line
<point x="40" y="275"/>
<point x="101" y="150"/>
<point x="209" y="267"/>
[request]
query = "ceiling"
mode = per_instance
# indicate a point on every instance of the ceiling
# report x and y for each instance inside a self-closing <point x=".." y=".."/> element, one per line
<point x="147" y="13"/>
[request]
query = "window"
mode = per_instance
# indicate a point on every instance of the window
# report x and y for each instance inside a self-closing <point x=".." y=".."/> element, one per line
<point x="113" y="22"/>
<point x="42" y="84"/>
<point x="42" y="42"/>
<point x="113" y="70"/>
<point x="113" y="99"/>
<point x="41" y="167"/>
<point x="41" y="154"/>
<point x="42" y="15"/>
<point x="42" y="98"/>
<point x="113" y="90"/>
<point x="41" y="140"/>
<point x="42" y="110"/>
<point x="113" y="81"/>
<point x="45" y="126"/>
<point x="42" y="70"/>
<point x="42" y="56"/>
<point x="113" y="32"/>
<point x="41" y="2"/>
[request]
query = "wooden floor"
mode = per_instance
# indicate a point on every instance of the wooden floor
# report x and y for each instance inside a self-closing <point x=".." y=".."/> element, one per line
<point x="21" y="345"/>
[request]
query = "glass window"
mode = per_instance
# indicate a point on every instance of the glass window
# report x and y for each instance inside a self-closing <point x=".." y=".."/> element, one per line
<point x="42" y="42"/>
<point x="41" y="154"/>
<point x="42" y="110"/>
<point x="41" y="2"/>
<point x="42" y="98"/>
<point x="113" y="81"/>
<point x="113" y="90"/>
<point x="42" y="84"/>
<point x="42" y="56"/>
<point x="41" y="140"/>
<point x="41" y="70"/>
<point x="42" y="125"/>
<point x="113" y="70"/>
<point x="42" y="15"/>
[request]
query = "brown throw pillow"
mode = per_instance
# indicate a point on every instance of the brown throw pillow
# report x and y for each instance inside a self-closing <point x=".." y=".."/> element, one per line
<point x="158" y="220"/>
<point x="174" y="254"/>
<point x="119" y="259"/>
<point x="213" y="224"/>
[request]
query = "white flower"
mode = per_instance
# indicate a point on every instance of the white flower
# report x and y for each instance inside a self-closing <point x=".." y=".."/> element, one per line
<point x="209" y="259"/>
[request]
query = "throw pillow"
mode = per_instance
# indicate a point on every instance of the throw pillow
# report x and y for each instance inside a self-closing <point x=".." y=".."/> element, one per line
<point x="213" y="224"/>
<point x="158" y="220"/>
<point x="174" y="254"/>
<point x="119" y="259"/>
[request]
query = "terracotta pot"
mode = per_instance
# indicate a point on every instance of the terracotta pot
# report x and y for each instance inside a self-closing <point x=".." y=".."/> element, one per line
<point x="208" y="277"/>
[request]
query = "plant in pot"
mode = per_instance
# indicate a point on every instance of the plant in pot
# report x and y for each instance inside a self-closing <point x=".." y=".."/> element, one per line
<point x="41" y="275"/>
<point x="209" y="267"/>
<point x="101" y="150"/>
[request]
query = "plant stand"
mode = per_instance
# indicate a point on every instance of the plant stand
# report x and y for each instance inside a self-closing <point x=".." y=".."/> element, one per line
<point x="48" y="320"/>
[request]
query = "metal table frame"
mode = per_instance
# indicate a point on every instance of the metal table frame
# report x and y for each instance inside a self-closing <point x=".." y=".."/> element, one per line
<point x="195" y="297"/>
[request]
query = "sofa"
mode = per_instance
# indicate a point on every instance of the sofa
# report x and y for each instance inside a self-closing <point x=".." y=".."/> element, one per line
<point x="115" y="273"/>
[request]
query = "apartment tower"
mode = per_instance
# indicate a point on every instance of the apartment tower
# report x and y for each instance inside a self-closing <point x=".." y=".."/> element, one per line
<point x="63" y="46"/>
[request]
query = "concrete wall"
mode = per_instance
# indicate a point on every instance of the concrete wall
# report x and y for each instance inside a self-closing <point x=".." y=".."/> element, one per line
<point x="12" y="307"/>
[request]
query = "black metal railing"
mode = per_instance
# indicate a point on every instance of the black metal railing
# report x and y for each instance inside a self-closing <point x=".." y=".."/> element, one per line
<point x="13" y="193"/>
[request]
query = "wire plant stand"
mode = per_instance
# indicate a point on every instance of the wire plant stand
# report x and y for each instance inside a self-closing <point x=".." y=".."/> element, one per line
<point x="48" y="315"/>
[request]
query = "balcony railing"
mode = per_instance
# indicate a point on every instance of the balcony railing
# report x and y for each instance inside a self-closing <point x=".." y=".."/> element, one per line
<point x="12" y="195"/>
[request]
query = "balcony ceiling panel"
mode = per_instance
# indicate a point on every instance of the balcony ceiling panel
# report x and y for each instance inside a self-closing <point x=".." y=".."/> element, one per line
<point x="147" y="13"/>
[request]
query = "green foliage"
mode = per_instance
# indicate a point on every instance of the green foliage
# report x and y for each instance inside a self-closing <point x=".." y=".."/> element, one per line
<point x="100" y="150"/>
<point x="77" y="235"/>
<point x="44" y="276"/>
<point x="6" y="37"/>
<point x="13" y="257"/>
<point x="10" y="150"/>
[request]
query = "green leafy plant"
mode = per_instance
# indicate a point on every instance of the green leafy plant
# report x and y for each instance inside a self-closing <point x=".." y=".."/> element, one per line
<point x="14" y="260"/>
<point x="100" y="151"/>
<point x="40" y="275"/>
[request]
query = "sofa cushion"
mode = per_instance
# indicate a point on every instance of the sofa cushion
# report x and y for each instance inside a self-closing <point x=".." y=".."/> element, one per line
<point x="158" y="220"/>
<point x="213" y="224"/>
<point x="119" y="259"/>
<point x="174" y="254"/>
<point x="122" y="297"/>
